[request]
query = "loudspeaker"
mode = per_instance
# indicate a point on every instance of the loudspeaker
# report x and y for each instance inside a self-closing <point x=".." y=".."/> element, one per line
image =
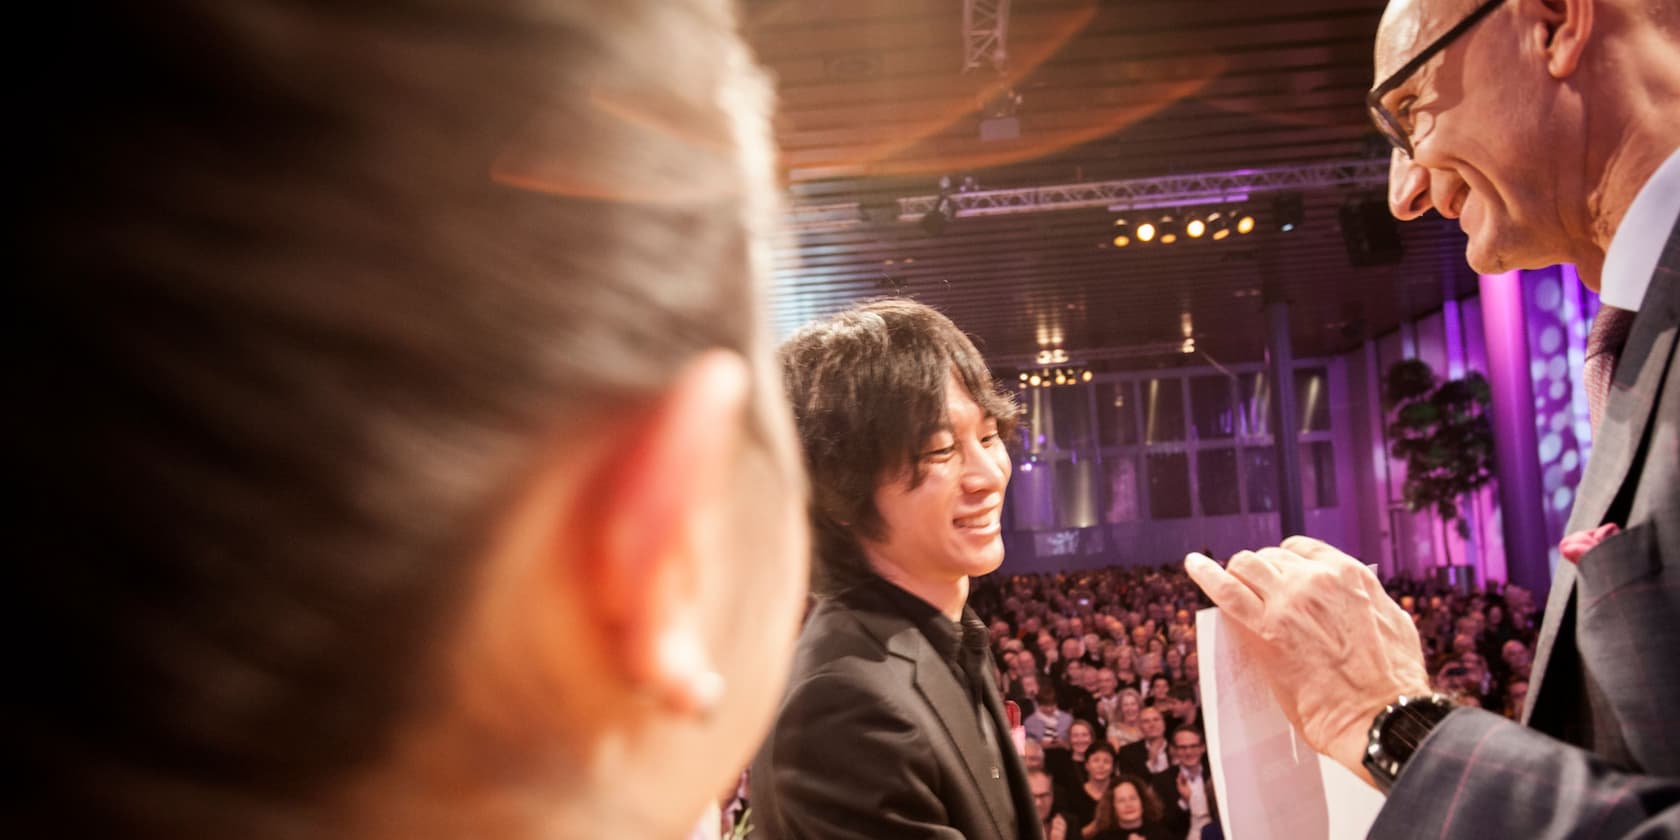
<point x="1372" y="235"/>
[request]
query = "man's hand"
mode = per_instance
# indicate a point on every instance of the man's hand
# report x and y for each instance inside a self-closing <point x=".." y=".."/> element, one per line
<point x="1058" y="828"/>
<point x="1334" y="647"/>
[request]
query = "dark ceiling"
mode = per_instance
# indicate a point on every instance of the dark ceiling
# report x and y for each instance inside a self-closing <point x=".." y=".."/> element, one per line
<point x="874" y="107"/>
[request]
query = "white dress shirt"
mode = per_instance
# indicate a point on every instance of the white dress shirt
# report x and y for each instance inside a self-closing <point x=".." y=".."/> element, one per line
<point x="1638" y="243"/>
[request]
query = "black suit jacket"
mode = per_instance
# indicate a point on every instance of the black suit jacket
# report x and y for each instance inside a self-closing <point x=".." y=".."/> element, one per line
<point x="1175" y="816"/>
<point x="1600" y="756"/>
<point x="877" y="738"/>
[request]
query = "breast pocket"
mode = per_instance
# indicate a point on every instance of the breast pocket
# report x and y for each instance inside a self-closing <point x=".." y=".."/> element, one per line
<point x="1628" y="558"/>
<point x="1627" y="631"/>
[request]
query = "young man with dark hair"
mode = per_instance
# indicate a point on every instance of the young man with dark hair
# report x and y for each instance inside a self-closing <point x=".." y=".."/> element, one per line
<point x="893" y="726"/>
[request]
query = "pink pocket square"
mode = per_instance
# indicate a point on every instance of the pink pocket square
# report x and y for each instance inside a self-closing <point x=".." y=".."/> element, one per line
<point x="1576" y="545"/>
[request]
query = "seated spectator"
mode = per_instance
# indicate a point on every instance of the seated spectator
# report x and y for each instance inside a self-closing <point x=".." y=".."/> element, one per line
<point x="1187" y="786"/>
<point x="1159" y="688"/>
<point x="1149" y="756"/>
<point x="1052" y="821"/>
<point x="1048" y="724"/>
<point x="1183" y="708"/>
<point x="1126" y="728"/>
<point x="1066" y="763"/>
<point x="1099" y="773"/>
<point x="1130" y="810"/>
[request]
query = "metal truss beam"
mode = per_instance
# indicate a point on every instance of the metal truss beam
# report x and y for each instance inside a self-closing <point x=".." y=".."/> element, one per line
<point x="1142" y="193"/>
<point x="985" y="30"/>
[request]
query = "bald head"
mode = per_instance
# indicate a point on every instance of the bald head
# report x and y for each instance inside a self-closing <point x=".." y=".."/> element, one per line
<point x="1596" y="83"/>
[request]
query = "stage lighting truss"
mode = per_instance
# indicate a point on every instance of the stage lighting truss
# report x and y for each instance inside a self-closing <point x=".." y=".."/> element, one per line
<point x="1050" y="377"/>
<point x="1173" y="226"/>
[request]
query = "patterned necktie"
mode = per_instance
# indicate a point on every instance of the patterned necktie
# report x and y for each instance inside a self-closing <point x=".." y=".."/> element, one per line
<point x="1604" y="345"/>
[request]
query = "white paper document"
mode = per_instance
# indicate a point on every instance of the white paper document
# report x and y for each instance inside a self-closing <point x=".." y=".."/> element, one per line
<point x="1271" y="785"/>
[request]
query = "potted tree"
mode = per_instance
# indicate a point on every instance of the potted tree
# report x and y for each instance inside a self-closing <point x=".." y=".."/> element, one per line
<point x="1441" y="430"/>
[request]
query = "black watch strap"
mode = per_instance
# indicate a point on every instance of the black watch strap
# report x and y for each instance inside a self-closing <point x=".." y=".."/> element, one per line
<point x="1397" y="731"/>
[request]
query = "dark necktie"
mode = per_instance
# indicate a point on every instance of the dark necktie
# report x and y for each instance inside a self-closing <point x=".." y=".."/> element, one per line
<point x="1604" y="346"/>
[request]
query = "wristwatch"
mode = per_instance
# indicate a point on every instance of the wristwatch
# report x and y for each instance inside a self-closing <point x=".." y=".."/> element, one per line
<point x="1397" y="731"/>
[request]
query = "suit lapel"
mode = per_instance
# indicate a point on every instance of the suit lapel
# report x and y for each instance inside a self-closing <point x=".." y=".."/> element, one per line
<point x="950" y="702"/>
<point x="1633" y="400"/>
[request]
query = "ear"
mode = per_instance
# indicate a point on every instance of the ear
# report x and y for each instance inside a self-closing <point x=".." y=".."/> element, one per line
<point x="1562" y="29"/>
<point x="658" y="513"/>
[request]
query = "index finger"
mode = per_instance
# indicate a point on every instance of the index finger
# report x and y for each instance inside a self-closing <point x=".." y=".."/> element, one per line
<point x="1227" y="591"/>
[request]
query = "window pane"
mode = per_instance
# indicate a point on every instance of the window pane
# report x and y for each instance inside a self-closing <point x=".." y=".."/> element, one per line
<point x="1312" y="400"/>
<point x="1076" y="493"/>
<point x="1071" y="407"/>
<point x="1169" y="485"/>
<point x="1262" y="480"/>
<point x="1318" y="475"/>
<point x="1117" y="413"/>
<point x="1256" y="407"/>
<point x="1211" y="413"/>
<point x="1163" y="410"/>
<point x="1120" y="473"/>
<point x="1216" y="481"/>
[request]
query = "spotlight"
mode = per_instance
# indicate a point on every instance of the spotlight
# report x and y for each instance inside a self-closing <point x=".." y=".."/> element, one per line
<point x="1122" y="233"/>
<point x="1286" y="208"/>
<point x="1195" y="228"/>
<point x="1220" y="223"/>
<point x="1245" y="224"/>
<point x="1086" y="376"/>
<point x="1033" y="380"/>
<point x="1146" y="232"/>
<point x="1023" y="377"/>
<point x="1060" y="378"/>
<point x="1169" y="230"/>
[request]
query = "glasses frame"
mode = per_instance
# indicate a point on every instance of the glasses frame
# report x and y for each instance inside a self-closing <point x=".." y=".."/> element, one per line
<point x="1385" y="120"/>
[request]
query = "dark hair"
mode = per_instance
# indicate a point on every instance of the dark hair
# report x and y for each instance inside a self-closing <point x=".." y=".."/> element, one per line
<point x="1181" y="691"/>
<point x="292" y="328"/>
<point x="1107" y="818"/>
<point x="1046" y="694"/>
<point x="868" y="391"/>
<point x="1190" y="729"/>
<point x="1099" y="746"/>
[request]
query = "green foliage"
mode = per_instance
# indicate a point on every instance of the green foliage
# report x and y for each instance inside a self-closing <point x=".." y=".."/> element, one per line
<point x="1442" y="432"/>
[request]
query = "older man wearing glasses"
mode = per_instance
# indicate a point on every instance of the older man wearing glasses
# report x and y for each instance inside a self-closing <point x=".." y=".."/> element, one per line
<point x="1549" y="129"/>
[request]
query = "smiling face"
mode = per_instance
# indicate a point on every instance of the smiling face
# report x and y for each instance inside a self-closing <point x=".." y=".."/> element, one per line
<point x="948" y="526"/>
<point x="1476" y="112"/>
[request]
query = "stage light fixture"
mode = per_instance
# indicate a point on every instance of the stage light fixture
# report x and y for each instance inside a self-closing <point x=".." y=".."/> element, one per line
<point x="1167" y="229"/>
<point x="1023" y="377"/>
<point x="1146" y="231"/>
<point x="1286" y="209"/>
<point x="1219" y="223"/>
<point x="1245" y="224"/>
<point x="1122" y="233"/>
<point x="1195" y="228"/>
<point x="1086" y="376"/>
<point x="1033" y="380"/>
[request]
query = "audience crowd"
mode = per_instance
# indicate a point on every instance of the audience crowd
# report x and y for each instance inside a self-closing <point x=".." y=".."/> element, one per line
<point x="1102" y="666"/>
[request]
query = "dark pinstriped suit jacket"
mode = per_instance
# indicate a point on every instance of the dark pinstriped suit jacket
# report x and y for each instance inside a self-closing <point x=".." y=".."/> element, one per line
<point x="1600" y="756"/>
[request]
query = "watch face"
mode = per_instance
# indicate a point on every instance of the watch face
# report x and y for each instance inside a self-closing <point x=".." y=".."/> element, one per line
<point x="1398" y="731"/>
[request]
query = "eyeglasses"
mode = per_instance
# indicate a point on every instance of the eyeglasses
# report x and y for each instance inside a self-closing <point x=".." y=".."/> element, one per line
<point x="1386" y="121"/>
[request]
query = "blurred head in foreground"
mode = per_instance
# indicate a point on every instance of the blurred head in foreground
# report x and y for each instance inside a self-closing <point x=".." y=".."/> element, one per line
<point x="402" y="440"/>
